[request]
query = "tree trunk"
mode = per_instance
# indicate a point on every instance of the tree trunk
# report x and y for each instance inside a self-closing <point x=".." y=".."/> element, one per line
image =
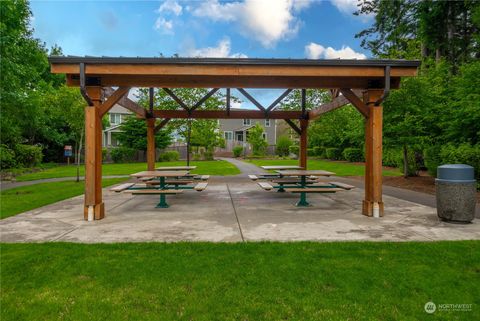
<point x="405" y="161"/>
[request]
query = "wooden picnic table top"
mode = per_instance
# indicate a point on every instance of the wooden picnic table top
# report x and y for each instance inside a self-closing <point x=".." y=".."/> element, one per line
<point x="160" y="174"/>
<point x="175" y="168"/>
<point x="305" y="173"/>
<point x="280" y="167"/>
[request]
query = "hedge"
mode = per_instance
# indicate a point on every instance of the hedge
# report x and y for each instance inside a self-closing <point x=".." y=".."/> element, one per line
<point x="28" y="155"/>
<point x="294" y="150"/>
<point x="353" y="155"/>
<point x="169" y="156"/>
<point x="319" y="151"/>
<point x="333" y="153"/>
<point x="123" y="154"/>
<point x="450" y="154"/>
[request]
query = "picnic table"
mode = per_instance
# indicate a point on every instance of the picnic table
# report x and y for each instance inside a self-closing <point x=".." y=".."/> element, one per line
<point x="280" y="167"/>
<point x="157" y="184"/>
<point x="303" y="187"/>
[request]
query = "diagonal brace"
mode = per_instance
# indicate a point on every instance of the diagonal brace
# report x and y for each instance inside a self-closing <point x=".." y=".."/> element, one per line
<point x="356" y="101"/>
<point x="113" y="99"/>
<point x="294" y="126"/>
<point x="279" y="99"/>
<point x="161" y="125"/>
<point x="253" y="100"/>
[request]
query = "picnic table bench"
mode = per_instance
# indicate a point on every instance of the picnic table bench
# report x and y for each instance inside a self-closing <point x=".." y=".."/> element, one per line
<point x="303" y="182"/>
<point x="163" y="182"/>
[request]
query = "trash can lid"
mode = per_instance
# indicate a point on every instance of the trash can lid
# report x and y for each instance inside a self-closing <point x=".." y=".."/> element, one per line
<point x="456" y="172"/>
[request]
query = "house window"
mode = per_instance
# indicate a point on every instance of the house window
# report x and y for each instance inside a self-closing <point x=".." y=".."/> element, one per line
<point x="115" y="119"/>
<point x="267" y="122"/>
<point x="246" y="122"/>
<point x="264" y="135"/>
<point x="228" y="135"/>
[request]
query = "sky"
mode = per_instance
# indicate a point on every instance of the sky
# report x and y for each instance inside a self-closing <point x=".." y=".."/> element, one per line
<point x="209" y="28"/>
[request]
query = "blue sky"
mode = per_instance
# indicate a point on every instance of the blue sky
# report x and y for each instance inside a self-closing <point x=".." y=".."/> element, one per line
<point x="209" y="28"/>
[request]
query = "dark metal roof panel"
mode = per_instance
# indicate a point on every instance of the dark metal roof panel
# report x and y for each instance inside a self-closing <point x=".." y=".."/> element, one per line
<point x="233" y="61"/>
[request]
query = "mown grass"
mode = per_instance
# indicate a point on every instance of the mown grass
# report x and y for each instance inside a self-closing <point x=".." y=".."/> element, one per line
<point x="21" y="199"/>
<point x="339" y="168"/>
<point x="242" y="281"/>
<point x="216" y="167"/>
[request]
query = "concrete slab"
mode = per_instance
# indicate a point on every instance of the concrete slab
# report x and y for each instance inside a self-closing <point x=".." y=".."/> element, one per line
<point x="232" y="210"/>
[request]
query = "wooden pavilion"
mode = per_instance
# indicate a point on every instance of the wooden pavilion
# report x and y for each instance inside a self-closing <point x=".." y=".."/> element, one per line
<point x="362" y="83"/>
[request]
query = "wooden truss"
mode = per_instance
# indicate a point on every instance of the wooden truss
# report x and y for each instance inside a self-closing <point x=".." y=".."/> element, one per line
<point x="361" y="83"/>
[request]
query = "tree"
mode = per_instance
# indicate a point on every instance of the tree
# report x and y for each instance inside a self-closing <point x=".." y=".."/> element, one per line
<point x="134" y="135"/>
<point x="255" y="138"/>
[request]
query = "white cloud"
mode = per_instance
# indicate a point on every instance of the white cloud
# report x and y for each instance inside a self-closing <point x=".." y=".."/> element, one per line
<point x="345" y="6"/>
<point x="316" y="51"/>
<point x="170" y="6"/>
<point x="164" y="26"/>
<point x="267" y="21"/>
<point x="222" y="50"/>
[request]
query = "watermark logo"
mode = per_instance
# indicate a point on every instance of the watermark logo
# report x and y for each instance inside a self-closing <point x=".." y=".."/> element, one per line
<point x="430" y="307"/>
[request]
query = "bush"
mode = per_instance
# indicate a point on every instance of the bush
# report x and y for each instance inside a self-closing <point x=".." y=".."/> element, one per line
<point x="104" y="154"/>
<point x="123" y="154"/>
<point x="196" y="156"/>
<point x="7" y="157"/>
<point x="310" y="152"/>
<point x="294" y="150"/>
<point x="392" y="158"/>
<point x="319" y="151"/>
<point x="207" y="155"/>
<point x="237" y="151"/>
<point x="169" y="156"/>
<point x="353" y="155"/>
<point x="450" y="154"/>
<point x="283" y="145"/>
<point x="28" y="155"/>
<point x="333" y="153"/>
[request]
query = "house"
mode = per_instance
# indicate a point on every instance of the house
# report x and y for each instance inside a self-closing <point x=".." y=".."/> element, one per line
<point x="235" y="132"/>
<point x="116" y="116"/>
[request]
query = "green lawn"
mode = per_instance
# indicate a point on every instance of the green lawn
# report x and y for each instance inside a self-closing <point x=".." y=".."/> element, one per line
<point x="217" y="167"/>
<point x="242" y="281"/>
<point x="25" y="198"/>
<point x="340" y="168"/>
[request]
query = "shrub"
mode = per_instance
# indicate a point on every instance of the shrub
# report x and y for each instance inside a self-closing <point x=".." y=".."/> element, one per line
<point x="283" y="145"/>
<point x="333" y="153"/>
<point x="207" y="155"/>
<point x="462" y="154"/>
<point x="310" y="152"/>
<point x="169" y="156"/>
<point x="123" y="154"/>
<point x="294" y="150"/>
<point x="319" y="151"/>
<point x="392" y="158"/>
<point x="28" y="155"/>
<point x="353" y="155"/>
<point x="104" y="154"/>
<point x="7" y="157"/>
<point x="237" y="151"/>
<point x="196" y="156"/>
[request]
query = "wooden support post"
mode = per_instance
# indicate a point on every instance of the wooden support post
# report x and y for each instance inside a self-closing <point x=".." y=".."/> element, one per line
<point x="303" y="143"/>
<point x="150" y="144"/>
<point x="373" y="155"/>
<point x="94" y="207"/>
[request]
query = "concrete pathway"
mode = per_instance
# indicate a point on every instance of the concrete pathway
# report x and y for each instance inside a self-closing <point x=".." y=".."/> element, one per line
<point x="244" y="167"/>
<point x="233" y="211"/>
<point x="4" y="185"/>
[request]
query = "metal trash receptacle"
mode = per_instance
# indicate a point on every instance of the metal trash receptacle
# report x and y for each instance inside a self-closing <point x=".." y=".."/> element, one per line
<point x="456" y="192"/>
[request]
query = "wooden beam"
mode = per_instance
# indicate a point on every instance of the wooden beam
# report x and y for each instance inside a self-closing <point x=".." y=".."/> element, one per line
<point x="222" y="114"/>
<point x="338" y="102"/>
<point x="162" y="124"/>
<point x="303" y="143"/>
<point x="355" y="101"/>
<point x="253" y="100"/>
<point x="294" y="82"/>
<point x="127" y="103"/>
<point x="294" y="126"/>
<point x="232" y="70"/>
<point x="94" y="207"/>
<point x="278" y="100"/>
<point x="204" y="98"/>
<point x="150" y="144"/>
<point x="112" y="100"/>
<point x="373" y="155"/>
<point x="178" y="100"/>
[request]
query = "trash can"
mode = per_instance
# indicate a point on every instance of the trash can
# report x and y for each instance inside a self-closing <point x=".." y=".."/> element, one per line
<point x="456" y="192"/>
